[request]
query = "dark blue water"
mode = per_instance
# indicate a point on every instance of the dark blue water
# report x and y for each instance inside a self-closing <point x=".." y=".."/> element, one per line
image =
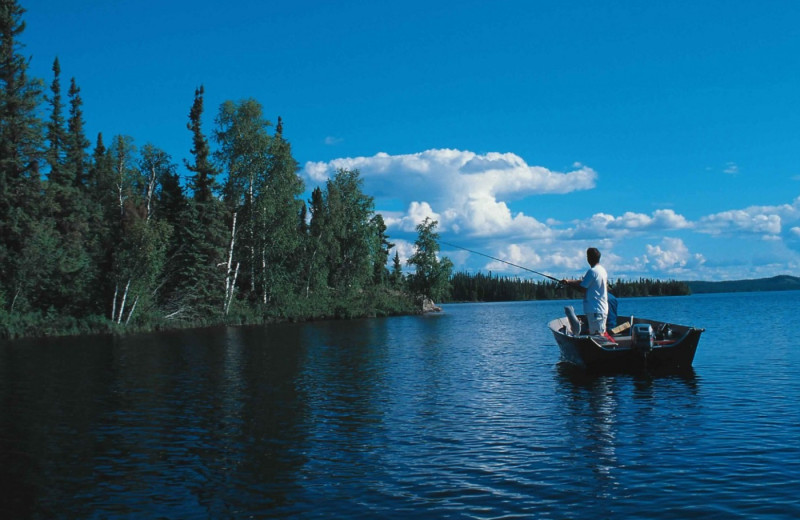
<point x="466" y="414"/>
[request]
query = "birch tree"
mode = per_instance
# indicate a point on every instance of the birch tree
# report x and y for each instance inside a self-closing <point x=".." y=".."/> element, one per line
<point x="243" y="150"/>
<point x="140" y="255"/>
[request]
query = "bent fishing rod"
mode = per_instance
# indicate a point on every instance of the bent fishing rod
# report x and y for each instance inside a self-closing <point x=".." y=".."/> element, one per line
<point x="503" y="261"/>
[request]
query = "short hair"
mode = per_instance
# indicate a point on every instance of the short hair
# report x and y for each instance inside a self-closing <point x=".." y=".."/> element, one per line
<point x="593" y="255"/>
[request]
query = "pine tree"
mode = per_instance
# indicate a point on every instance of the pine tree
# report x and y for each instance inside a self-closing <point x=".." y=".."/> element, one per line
<point x="316" y="272"/>
<point x="203" y="181"/>
<point x="20" y="155"/>
<point x="380" y="273"/>
<point x="431" y="278"/>
<point x="197" y="250"/>
<point x="76" y="143"/>
<point x="56" y="133"/>
<point x="396" y="278"/>
<point x="71" y="271"/>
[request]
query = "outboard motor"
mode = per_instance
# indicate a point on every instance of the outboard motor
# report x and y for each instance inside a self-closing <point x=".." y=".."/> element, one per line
<point x="664" y="332"/>
<point x="642" y="337"/>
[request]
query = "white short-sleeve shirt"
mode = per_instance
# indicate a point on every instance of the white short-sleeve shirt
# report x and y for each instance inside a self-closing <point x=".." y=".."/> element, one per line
<point x="595" y="281"/>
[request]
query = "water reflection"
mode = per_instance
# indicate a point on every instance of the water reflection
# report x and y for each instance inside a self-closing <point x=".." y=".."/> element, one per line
<point x="264" y="433"/>
<point x="612" y="414"/>
<point x="464" y="414"/>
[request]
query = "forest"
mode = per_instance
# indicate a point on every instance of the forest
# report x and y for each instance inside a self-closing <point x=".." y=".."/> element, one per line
<point x="479" y="287"/>
<point x="107" y="236"/>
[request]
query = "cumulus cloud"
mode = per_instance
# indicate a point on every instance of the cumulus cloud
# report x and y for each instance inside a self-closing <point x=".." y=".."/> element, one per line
<point x="517" y="254"/>
<point x="473" y="196"/>
<point x="602" y="225"/>
<point x="417" y="212"/>
<point x="761" y="220"/>
<point x="463" y="190"/>
<point x="672" y="256"/>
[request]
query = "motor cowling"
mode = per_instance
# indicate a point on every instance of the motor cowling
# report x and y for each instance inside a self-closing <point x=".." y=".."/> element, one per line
<point x="642" y="337"/>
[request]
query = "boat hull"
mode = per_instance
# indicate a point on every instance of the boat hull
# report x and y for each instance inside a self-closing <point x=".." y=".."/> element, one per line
<point x="593" y="354"/>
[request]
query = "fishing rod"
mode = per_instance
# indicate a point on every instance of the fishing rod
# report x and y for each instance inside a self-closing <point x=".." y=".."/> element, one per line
<point x="505" y="262"/>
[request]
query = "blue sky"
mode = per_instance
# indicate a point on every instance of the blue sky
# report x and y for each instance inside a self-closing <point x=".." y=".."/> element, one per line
<point x="667" y="134"/>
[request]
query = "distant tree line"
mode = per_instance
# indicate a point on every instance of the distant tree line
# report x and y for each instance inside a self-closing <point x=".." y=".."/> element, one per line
<point x="649" y="287"/>
<point x="489" y="287"/>
<point x="106" y="237"/>
<point x="481" y="287"/>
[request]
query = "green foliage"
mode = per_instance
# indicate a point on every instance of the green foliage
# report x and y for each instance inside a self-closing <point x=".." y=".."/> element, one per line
<point x="480" y="287"/>
<point x="431" y="278"/>
<point x="650" y="287"/>
<point x="348" y="232"/>
<point x="21" y="150"/>
<point x="493" y="288"/>
<point x="76" y="143"/>
<point x="116" y="241"/>
<point x="194" y="287"/>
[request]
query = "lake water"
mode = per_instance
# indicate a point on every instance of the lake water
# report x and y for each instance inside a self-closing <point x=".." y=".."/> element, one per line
<point x="464" y="414"/>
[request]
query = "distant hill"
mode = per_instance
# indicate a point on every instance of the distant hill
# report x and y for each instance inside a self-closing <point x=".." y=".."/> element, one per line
<point x="776" y="283"/>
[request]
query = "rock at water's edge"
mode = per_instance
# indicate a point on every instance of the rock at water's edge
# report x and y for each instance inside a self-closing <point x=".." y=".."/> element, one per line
<point x="429" y="306"/>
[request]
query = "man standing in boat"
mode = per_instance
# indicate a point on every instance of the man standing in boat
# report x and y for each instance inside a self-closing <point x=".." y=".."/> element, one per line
<point x="594" y="287"/>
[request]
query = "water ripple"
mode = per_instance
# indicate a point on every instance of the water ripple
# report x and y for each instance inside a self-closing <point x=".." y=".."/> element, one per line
<point x="467" y="414"/>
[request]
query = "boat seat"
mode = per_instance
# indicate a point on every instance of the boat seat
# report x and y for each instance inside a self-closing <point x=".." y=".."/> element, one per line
<point x="574" y="322"/>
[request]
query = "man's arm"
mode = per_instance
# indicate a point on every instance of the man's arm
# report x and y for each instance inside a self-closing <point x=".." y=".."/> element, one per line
<point x="575" y="284"/>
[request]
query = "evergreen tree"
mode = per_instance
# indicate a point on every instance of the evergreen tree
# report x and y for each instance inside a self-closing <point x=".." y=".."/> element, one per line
<point x="20" y="155"/>
<point x="316" y="272"/>
<point x="71" y="271"/>
<point x="76" y="143"/>
<point x="203" y="181"/>
<point x="198" y="249"/>
<point x="431" y="279"/>
<point x="396" y="278"/>
<point x="56" y="133"/>
<point x="103" y="224"/>
<point x="380" y="273"/>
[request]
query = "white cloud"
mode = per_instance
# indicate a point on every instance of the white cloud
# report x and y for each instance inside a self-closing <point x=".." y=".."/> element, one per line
<point x="472" y="196"/>
<point x="461" y="189"/>
<point x="521" y="255"/>
<point x="602" y="225"/>
<point x="417" y="212"/>
<point x="672" y="256"/>
<point x="764" y="220"/>
<point x="740" y="220"/>
<point x="404" y="249"/>
<point x="731" y="168"/>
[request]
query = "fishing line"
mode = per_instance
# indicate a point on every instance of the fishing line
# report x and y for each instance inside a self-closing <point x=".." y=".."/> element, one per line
<point x="503" y="261"/>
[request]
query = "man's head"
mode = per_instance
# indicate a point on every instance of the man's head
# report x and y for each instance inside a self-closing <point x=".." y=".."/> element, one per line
<point x="593" y="256"/>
